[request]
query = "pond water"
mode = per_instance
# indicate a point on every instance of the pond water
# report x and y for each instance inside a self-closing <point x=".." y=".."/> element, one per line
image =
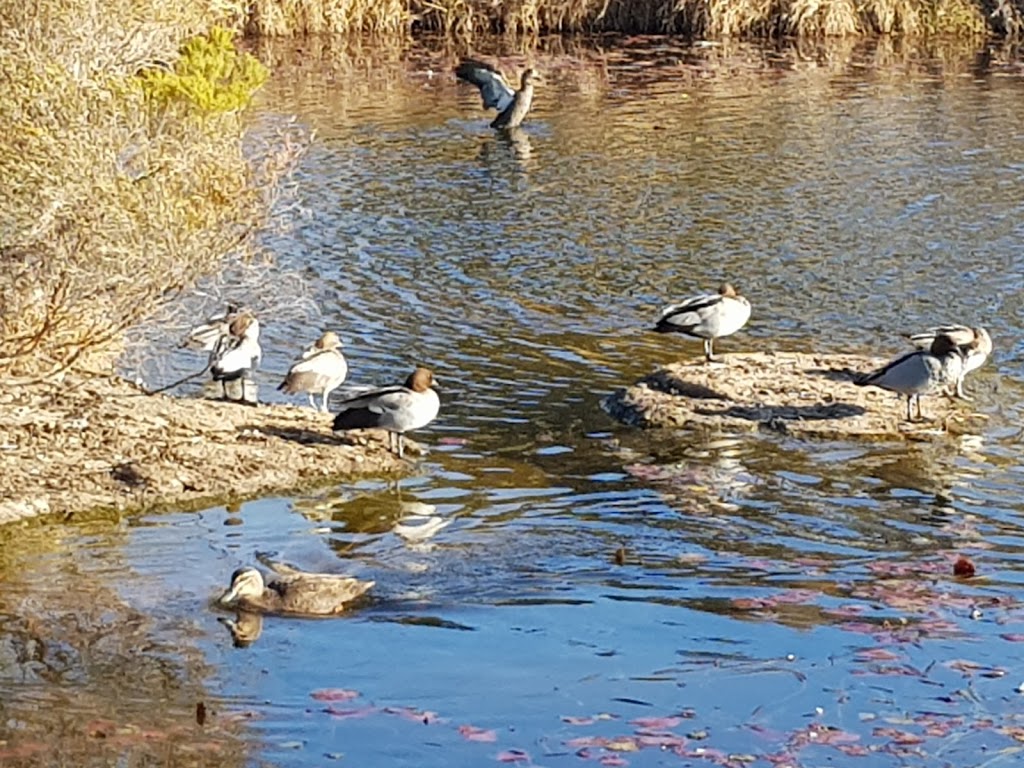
<point x="584" y="593"/>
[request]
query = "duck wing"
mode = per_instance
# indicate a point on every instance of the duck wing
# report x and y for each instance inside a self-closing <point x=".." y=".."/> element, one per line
<point x="374" y="408"/>
<point x="494" y="89"/>
<point x="318" y="593"/>
<point x="689" y="313"/>
<point x="314" y="371"/>
<point x="234" y="356"/>
<point x="960" y="334"/>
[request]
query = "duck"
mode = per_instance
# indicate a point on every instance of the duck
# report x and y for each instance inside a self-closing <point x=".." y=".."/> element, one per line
<point x="512" y="105"/>
<point x="708" y="316"/>
<point x="292" y="592"/>
<point x="237" y="354"/>
<point x="398" y="409"/>
<point x="321" y="370"/>
<point x="975" y="343"/>
<point x="919" y="373"/>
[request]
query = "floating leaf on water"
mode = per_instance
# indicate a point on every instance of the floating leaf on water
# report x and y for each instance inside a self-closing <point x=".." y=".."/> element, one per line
<point x="963" y="567"/>
<point x="334" y="694"/>
<point x="472" y="733"/>
<point x="425" y="716"/>
<point x="661" y="723"/>
<point x="571" y="720"/>
<point x="513" y="756"/>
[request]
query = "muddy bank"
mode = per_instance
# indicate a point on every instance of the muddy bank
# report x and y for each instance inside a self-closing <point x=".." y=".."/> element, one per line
<point x="803" y="394"/>
<point x="106" y="444"/>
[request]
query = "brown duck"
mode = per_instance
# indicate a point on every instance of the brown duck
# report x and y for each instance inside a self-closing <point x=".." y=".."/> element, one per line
<point x="292" y="592"/>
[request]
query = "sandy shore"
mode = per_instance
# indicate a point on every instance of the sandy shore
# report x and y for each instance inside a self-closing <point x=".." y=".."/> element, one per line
<point x="103" y="443"/>
<point x="802" y="394"/>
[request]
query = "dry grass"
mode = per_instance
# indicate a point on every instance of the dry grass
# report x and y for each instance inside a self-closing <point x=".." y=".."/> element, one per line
<point x="696" y="18"/>
<point x="113" y="204"/>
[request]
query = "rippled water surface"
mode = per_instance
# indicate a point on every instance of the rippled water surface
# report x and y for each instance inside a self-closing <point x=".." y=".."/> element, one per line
<point x="553" y="588"/>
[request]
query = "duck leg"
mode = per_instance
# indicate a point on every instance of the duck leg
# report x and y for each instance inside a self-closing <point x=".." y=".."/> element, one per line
<point x="709" y="353"/>
<point x="401" y="445"/>
<point x="910" y="408"/>
<point x="960" y="390"/>
<point x="312" y="401"/>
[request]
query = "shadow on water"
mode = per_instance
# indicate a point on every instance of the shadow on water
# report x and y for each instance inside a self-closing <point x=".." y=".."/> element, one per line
<point x="665" y="594"/>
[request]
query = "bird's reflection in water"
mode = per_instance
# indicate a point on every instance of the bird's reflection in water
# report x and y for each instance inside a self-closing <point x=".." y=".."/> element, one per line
<point x="245" y="628"/>
<point x="507" y="147"/>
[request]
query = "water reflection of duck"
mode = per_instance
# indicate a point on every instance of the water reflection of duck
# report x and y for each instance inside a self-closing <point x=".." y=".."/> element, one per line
<point x="292" y="592"/>
<point x="398" y="409"/>
<point x="974" y="343"/>
<point x="245" y="628"/>
<point x="321" y="370"/>
<point x="512" y="105"/>
<point x="708" y="316"/>
<point x="919" y="373"/>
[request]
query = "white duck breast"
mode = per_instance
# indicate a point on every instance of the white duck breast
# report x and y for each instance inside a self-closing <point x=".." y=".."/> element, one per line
<point x="238" y="354"/>
<point x="398" y="409"/>
<point x="919" y="373"/>
<point x="974" y="343"/>
<point x="321" y="370"/>
<point x="708" y="316"/>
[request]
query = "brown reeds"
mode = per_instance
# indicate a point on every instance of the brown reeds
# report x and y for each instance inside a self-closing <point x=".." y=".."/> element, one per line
<point x="693" y="18"/>
<point x="112" y="204"/>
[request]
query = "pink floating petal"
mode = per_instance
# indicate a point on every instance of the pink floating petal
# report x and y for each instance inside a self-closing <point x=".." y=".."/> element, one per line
<point x="472" y="733"/>
<point x="578" y="720"/>
<point x="513" y="756"/>
<point x="656" y="723"/>
<point x="334" y="694"/>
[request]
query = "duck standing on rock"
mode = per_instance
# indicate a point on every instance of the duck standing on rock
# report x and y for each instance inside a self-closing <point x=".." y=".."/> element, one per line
<point x="292" y="592"/>
<point x="974" y="343"/>
<point x="919" y="373"/>
<point x="398" y="409"/>
<point x="708" y="316"/>
<point x="237" y="354"/>
<point x="496" y="93"/>
<point x="321" y="370"/>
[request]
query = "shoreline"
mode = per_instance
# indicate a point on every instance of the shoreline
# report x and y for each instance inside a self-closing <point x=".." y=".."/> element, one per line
<point x="104" y="444"/>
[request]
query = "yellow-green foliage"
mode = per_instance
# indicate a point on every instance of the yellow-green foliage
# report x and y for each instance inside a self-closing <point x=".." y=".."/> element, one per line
<point x="211" y="75"/>
<point x="110" y="208"/>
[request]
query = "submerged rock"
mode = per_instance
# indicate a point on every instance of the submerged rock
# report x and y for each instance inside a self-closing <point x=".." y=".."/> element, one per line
<point x="97" y="444"/>
<point x="797" y="393"/>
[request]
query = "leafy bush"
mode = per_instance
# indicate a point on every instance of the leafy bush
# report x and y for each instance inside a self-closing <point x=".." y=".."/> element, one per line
<point x="116" y="197"/>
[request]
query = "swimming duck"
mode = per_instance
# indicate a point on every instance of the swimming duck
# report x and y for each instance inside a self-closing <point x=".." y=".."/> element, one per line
<point x="321" y="370"/>
<point x="237" y="353"/>
<point x="398" y="409"/>
<point x="919" y="373"/>
<point x="292" y="592"/>
<point x="495" y="91"/>
<point x="708" y="316"/>
<point x="975" y="343"/>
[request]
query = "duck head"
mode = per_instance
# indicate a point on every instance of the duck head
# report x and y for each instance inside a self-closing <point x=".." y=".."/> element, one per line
<point x="529" y="77"/>
<point x="420" y="380"/>
<point x="329" y="340"/>
<point x="245" y="326"/>
<point x="726" y="289"/>
<point x="245" y="582"/>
